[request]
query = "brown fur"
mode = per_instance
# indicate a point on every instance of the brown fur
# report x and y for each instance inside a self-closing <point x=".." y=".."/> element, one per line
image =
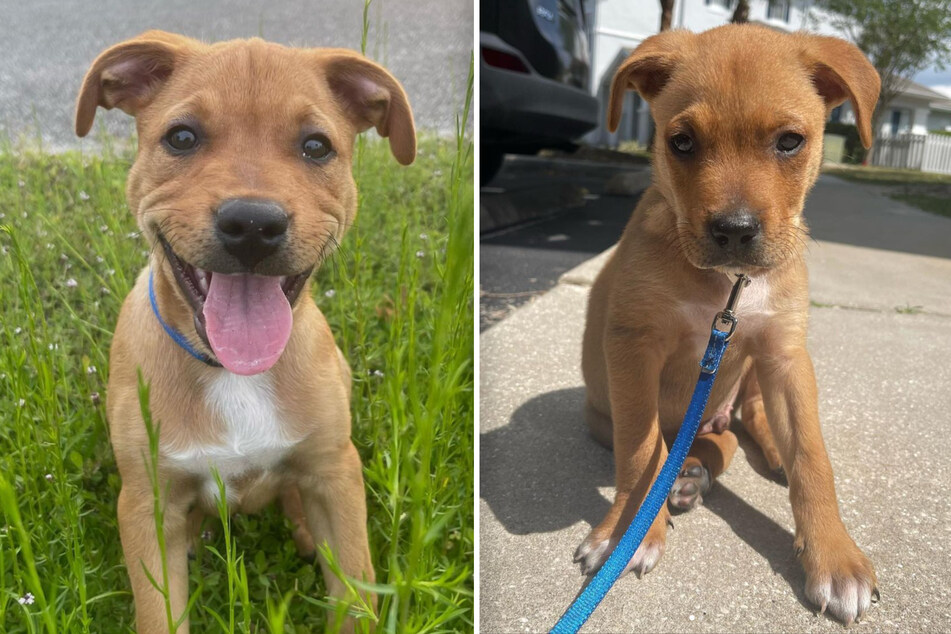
<point x="734" y="90"/>
<point x="251" y="99"/>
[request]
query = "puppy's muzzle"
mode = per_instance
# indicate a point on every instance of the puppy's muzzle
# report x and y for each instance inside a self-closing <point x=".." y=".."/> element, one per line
<point x="736" y="233"/>
<point x="250" y="230"/>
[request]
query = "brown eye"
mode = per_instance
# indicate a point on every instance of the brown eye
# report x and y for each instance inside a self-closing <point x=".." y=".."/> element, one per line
<point x="316" y="147"/>
<point x="789" y="143"/>
<point x="681" y="144"/>
<point x="181" y="139"/>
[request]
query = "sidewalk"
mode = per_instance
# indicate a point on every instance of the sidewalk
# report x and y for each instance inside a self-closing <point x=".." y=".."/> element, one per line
<point x="880" y="337"/>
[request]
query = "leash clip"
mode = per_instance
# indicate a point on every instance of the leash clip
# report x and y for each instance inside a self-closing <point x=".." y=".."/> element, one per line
<point x="727" y="317"/>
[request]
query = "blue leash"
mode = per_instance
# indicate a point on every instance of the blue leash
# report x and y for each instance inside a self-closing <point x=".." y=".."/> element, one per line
<point x="585" y="604"/>
<point x="176" y="336"/>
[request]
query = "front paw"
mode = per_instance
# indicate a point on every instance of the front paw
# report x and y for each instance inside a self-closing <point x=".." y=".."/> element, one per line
<point x="840" y="579"/>
<point x="596" y="548"/>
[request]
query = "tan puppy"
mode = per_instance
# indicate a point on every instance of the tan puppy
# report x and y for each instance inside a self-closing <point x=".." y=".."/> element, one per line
<point x="739" y="114"/>
<point x="242" y="185"/>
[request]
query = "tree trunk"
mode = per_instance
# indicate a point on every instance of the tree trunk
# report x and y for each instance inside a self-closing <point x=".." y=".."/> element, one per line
<point x="742" y="13"/>
<point x="666" y="14"/>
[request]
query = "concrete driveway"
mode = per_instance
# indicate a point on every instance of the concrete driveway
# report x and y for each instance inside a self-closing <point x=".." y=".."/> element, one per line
<point x="880" y="338"/>
<point x="48" y="45"/>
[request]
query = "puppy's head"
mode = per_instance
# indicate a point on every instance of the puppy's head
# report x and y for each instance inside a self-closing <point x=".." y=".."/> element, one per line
<point x="243" y="171"/>
<point x="739" y="114"/>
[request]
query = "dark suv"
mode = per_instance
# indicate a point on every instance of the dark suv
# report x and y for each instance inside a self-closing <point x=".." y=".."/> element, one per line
<point x="535" y="74"/>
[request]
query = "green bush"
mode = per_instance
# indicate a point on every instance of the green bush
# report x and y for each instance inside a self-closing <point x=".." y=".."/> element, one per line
<point x="854" y="152"/>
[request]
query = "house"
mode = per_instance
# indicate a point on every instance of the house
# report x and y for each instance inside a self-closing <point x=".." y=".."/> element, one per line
<point x="616" y="27"/>
<point x="917" y="110"/>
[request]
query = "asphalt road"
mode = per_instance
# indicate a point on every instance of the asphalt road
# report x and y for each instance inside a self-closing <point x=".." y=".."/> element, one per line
<point x="47" y="46"/>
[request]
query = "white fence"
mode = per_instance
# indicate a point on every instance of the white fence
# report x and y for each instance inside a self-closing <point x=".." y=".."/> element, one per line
<point x="925" y="152"/>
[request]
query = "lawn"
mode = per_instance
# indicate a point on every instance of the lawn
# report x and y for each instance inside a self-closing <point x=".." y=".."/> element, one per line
<point x="929" y="192"/>
<point x="398" y="295"/>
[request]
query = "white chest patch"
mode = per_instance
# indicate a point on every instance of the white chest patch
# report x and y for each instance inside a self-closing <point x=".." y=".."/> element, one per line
<point x="253" y="435"/>
<point x="752" y="309"/>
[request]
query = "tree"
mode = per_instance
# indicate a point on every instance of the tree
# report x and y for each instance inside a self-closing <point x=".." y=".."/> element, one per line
<point x="742" y="13"/>
<point x="666" y="14"/>
<point x="900" y="38"/>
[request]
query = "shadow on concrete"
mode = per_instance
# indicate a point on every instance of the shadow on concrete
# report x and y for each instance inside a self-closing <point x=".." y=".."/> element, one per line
<point x="541" y="472"/>
<point x="773" y="542"/>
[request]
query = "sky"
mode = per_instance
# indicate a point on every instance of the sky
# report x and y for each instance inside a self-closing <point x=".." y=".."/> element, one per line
<point x="939" y="80"/>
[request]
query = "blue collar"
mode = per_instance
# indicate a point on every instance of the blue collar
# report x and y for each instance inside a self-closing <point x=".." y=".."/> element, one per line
<point x="176" y="336"/>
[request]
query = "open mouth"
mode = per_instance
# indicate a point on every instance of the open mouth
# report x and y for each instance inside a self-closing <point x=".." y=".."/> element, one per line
<point x="244" y="319"/>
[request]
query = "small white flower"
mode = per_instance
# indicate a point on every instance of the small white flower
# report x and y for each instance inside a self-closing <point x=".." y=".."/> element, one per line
<point x="100" y="259"/>
<point x="330" y="292"/>
<point x="104" y="290"/>
<point x="424" y="236"/>
<point x="207" y="535"/>
<point x="72" y="283"/>
<point x="103" y="228"/>
<point x="17" y="330"/>
<point x="49" y="477"/>
<point x="437" y="173"/>
<point x="110" y="272"/>
<point x="420" y="254"/>
<point x="53" y="346"/>
<point x="91" y="369"/>
<point x="21" y="402"/>
<point x="83" y="196"/>
<point x="2" y="215"/>
<point x="49" y="245"/>
<point x="132" y="234"/>
<point x="26" y="599"/>
<point x="377" y="373"/>
<point x="21" y="183"/>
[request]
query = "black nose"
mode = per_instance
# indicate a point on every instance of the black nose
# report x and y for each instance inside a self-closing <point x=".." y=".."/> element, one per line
<point x="735" y="230"/>
<point x="250" y="230"/>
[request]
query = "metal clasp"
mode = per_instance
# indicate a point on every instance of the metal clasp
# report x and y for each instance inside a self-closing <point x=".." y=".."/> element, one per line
<point x="727" y="316"/>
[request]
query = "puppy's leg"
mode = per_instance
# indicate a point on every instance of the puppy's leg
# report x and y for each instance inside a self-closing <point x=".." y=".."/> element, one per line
<point x="839" y="577"/>
<point x="634" y="368"/>
<point x="139" y="537"/>
<point x="709" y="456"/>
<point x="755" y="422"/>
<point x="294" y="510"/>
<point x="334" y="502"/>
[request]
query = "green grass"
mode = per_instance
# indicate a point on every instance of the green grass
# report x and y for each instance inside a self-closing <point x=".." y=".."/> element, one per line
<point x="398" y="295"/>
<point x="886" y="176"/>
<point x="928" y="192"/>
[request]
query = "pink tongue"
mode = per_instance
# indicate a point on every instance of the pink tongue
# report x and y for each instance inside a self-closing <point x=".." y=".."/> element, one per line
<point x="248" y="321"/>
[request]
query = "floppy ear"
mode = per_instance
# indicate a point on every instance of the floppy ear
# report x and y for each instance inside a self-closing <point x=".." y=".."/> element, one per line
<point x="646" y="70"/>
<point x="127" y="76"/>
<point x="841" y="71"/>
<point x="372" y="97"/>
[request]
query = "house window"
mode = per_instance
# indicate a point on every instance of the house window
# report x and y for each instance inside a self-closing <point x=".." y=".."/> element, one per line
<point x="778" y="10"/>
<point x="723" y="4"/>
<point x="896" y="121"/>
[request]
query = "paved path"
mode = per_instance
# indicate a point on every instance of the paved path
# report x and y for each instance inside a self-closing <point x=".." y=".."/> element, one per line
<point x="880" y="337"/>
<point x="48" y="45"/>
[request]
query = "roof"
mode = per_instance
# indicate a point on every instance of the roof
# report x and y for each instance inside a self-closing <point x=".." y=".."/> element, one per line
<point x="936" y="99"/>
